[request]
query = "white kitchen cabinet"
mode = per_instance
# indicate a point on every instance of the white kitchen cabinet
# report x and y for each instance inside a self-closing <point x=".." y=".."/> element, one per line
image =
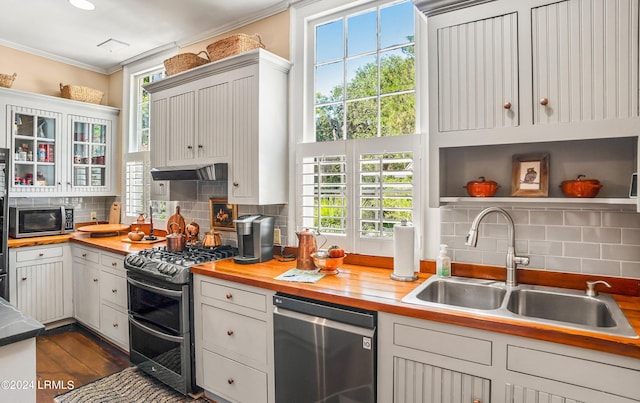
<point x="533" y="76"/>
<point x="231" y="111"/>
<point x="40" y="282"/>
<point x="86" y="287"/>
<point x="234" y="340"/>
<point x="424" y="361"/>
<point x="100" y="293"/>
<point x="60" y="147"/>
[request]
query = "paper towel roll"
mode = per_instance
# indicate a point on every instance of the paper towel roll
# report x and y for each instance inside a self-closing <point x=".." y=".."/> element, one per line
<point x="403" y="252"/>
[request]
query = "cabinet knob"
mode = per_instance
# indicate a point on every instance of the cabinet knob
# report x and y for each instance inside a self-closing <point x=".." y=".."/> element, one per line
<point x="200" y="146"/>
<point x="40" y="254"/>
<point x="230" y="381"/>
<point x="229" y="332"/>
<point x="544" y="101"/>
<point x="189" y="147"/>
<point x="60" y="183"/>
<point x="84" y="255"/>
<point x="114" y="264"/>
<point x="24" y="278"/>
<point x="115" y="325"/>
<point x="161" y="184"/>
<point x="235" y="184"/>
<point x="95" y="280"/>
<point x="228" y="296"/>
<point x="507" y="105"/>
<point x="68" y="183"/>
<point x="114" y="290"/>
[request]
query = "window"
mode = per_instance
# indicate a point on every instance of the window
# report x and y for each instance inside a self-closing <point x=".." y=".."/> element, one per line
<point x="137" y="133"/>
<point x="358" y="156"/>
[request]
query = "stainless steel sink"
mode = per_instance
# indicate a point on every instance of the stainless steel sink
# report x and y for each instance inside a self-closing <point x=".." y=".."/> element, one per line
<point x="563" y="307"/>
<point x="571" y="309"/>
<point x="476" y="294"/>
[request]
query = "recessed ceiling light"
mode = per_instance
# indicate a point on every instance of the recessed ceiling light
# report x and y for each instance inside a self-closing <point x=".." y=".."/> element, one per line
<point x="82" y="4"/>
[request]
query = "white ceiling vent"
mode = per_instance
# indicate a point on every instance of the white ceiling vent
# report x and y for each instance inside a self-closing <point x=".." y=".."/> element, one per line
<point x="113" y="45"/>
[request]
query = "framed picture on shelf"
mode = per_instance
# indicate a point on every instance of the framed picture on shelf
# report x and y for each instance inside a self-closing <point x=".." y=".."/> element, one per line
<point x="222" y="214"/>
<point x="530" y="175"/>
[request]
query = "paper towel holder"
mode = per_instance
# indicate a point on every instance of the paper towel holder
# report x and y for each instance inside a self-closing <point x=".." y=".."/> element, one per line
<point x="399" y="277"/>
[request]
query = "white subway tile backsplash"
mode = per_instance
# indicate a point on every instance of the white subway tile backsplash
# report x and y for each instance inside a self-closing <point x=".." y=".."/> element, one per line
<point x="583" y="218"/>
<point x="584" y="250"/>
<point x="577" y="240"/>
<point x="601" y="235"/>
<point x="631" y="236"/>
<point x="556" y="233"/>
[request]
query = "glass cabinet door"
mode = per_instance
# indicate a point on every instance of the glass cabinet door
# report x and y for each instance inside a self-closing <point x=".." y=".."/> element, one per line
<point x="89" y="153"/>
<point x="34" y="136"/>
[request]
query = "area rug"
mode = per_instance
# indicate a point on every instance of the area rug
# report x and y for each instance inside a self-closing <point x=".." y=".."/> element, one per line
<point x="128" y="385"/>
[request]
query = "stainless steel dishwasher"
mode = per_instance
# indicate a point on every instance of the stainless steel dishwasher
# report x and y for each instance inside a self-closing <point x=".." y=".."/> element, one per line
<point x="323" y="352"/>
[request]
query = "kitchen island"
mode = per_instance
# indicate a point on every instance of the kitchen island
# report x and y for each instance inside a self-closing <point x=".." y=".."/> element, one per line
<point x="18" y="333"/>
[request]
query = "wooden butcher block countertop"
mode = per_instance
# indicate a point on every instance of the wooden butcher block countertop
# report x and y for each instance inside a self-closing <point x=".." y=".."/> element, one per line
<point x="364" y="282"/>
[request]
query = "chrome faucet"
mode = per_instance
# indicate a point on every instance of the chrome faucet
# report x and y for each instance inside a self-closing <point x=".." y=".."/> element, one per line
<point x="512" y="260"/>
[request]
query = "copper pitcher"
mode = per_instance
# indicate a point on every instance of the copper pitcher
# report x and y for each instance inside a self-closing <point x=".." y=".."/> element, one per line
<point x="307" y="245"/>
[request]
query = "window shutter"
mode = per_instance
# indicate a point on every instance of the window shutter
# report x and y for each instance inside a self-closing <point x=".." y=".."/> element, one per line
<point x="137" y="186"/>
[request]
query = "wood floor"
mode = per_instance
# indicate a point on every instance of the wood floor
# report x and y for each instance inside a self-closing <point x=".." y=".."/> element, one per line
<point x="73" y="354"/>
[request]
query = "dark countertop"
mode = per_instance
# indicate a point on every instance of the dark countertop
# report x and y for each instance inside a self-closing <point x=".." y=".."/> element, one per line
<point x="15" y="325"/>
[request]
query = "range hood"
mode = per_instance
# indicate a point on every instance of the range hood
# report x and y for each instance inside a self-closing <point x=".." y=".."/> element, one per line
<point x="213" y="172"/>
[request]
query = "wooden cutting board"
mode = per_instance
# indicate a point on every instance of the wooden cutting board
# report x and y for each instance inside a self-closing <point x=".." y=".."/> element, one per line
<point x="176" y="218"/>
<point x="104" y="228"/>
<point x="114" y="213"/>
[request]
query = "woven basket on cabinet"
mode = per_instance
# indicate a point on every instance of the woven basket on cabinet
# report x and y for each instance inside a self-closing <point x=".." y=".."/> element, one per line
<point x="184" y="61"/>
<point x="6" y="80"/>
<point x="79" y="93"/>
<point x="232" y="45"/>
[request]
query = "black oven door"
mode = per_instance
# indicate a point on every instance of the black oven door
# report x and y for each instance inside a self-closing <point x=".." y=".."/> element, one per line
<point x="160" y="306"/>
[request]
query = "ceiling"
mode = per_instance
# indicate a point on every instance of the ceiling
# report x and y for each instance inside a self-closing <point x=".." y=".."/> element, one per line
<point x="57" y="30"/>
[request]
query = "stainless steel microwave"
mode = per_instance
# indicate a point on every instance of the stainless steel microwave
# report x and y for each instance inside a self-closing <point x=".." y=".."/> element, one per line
<point x="33" y="221"/>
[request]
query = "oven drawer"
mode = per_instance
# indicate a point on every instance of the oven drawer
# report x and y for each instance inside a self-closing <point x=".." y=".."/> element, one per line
<point x="86" y="254"/>
<point x="113" y="289"/>
<point x="115" y="324"/>
<point x="38" y="254"/>
<point x="242" y="336"/>
<point x="112" y="261"/>
<point x="233" y="380"/>
<point x="234" y="296"/>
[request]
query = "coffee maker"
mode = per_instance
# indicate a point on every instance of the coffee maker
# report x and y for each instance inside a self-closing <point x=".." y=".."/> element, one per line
<point x="255" y="238"/>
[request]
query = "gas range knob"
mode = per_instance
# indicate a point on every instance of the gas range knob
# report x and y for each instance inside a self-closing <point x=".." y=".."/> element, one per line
<point x="172" y="271"/>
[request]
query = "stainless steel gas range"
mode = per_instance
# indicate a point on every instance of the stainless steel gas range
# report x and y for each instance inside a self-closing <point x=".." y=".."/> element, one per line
<point x="161" y="311"/>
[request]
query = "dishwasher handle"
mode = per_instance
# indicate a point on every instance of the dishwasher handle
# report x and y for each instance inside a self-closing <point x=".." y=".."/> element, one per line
<point x="315" y="320"/>
<point x="340" y="313"/>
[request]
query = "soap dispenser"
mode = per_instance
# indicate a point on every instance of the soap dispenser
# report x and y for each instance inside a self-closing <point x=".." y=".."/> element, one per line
<point x="443" y="263"/>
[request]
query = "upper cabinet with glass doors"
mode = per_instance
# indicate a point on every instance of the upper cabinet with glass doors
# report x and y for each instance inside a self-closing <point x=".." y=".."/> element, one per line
<point x="60" y="147"/>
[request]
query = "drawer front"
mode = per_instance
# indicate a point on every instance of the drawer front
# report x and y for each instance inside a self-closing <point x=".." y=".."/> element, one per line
<point x="592" y="374"/>
<point x="232" y="380"/>
<point x="86" y="254"/>
<point x="235" y="333"/>
<point x="113" y="289"/>
<point x="441" y="343"/>
<point x="235" y="296"/>
<point x="38" y="254"/>
<point x="112" y="261"/>
<point x="115" y="325"/>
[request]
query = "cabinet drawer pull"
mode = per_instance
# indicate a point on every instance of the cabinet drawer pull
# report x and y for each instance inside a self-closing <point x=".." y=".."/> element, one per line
<point x="84" y="255"/>
<point x="228" y="296"/>
<point x="230" y="381"/>
<point x="200" y="146"/>
<point x="114" y="264"/>
<point x="160" y="184"/>
<point x="507" y="105"/>
<point x="544" y="101"/>
<point x="40" y="254"/>
<point x="114" y="290"/>
<point x="95" y="280"/>
<point x="116" y="325"/>
<point x="229" y="332"/>
<point x="189" y="147"/>
<point x="235" y="184"/>
<point x="24" y="278"/>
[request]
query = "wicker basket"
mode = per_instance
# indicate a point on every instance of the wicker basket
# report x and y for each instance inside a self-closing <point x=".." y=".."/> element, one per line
<point x="79" y="93"/>
<point x="184" y="61"/>
<point x="232" y="45"/>
<point x="6" y="80"/>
